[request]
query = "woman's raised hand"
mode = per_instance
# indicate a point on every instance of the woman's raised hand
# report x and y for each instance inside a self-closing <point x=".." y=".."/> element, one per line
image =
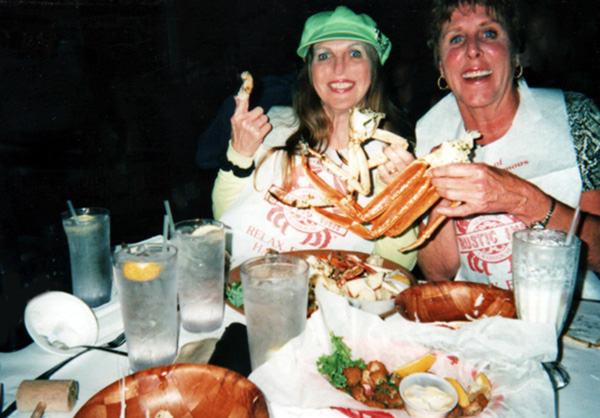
<point x="248" y="128"/>
<point x="486" y="189"/>
<point x="398" y="159"/>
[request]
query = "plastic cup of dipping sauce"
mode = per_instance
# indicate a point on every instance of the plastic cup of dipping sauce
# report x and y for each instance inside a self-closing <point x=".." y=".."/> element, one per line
<point x="426" y="395"/>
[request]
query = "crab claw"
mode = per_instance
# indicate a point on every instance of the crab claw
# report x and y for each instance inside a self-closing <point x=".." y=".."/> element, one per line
<point x="428" y="232"/>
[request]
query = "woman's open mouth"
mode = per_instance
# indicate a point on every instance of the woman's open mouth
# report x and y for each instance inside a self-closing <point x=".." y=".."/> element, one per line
<point x="341" y="85"/>
<point x="476" y="75"/>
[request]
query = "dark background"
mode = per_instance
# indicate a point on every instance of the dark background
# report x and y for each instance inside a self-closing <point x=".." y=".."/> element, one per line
<point x="102" y="102"/>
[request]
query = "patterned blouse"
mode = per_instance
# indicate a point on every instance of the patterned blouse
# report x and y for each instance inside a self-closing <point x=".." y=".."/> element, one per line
<point x="584" y="120"/>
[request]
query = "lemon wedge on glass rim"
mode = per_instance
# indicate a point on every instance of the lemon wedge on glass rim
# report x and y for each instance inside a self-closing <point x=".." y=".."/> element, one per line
<point x="141" y="272"/>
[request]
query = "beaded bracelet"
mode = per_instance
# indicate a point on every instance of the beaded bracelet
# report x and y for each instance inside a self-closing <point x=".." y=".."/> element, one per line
<point x="542" y="224"/>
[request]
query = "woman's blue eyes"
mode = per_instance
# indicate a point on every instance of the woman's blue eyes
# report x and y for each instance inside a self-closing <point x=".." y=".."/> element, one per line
<point x="325" y="55"/>
<point x="488" y="34"/>
<point x="456" y="39"/>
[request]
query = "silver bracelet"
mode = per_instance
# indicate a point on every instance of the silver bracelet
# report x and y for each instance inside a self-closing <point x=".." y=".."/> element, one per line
<point x="542" y="224"/>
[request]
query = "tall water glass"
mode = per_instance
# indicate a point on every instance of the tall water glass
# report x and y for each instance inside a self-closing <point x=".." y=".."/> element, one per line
<point x="148" y="294"/>
<point x="544" y="275"/>
<point x="275" y="291"/>
<point x="200" y="273"/>
<point x="88" y="235"/>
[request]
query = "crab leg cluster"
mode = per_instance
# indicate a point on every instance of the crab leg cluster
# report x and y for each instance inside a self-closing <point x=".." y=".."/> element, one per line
<point x="363" y="127"/>
<point x="399" y="205"/>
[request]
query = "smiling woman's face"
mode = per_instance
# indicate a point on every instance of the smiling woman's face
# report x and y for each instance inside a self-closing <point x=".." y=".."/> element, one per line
<point x="476" y="58"/>
<point x="341" y="73"/>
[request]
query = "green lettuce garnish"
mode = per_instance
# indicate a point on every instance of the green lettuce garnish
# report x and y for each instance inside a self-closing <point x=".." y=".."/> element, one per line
<point x="234" y="294"/>
<point x="333" y="365"/>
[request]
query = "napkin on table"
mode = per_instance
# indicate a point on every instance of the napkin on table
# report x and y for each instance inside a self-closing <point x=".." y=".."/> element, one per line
<point x="508" y="351"/>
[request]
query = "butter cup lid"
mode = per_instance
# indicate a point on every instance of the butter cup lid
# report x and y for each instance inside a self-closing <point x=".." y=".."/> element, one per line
<point x="58" y="321"/>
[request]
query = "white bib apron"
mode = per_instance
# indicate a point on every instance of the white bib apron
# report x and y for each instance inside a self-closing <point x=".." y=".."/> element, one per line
<point x="538" y="147"/>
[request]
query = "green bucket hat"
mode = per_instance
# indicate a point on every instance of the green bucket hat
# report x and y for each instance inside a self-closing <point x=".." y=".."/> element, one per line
<point x="343" y="23"/>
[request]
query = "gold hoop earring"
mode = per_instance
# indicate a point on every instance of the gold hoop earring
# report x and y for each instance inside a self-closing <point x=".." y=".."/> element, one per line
<point x="439" y="84"/>
<point x="519" y="71"/>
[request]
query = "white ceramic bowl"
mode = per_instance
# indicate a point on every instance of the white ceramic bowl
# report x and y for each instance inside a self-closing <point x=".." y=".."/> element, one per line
<point x="425" y="380"/>
<point x="57" y="321"/>
<point x="380" y="306"/>
<point x="376" y="307"/>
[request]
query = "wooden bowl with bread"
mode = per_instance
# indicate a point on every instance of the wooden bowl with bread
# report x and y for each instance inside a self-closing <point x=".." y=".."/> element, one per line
<point x="178" y="390"/>
<point x="454" y="301"/>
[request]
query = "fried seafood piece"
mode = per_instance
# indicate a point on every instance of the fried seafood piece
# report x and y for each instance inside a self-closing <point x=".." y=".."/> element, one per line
<point x="456" y="412"/>
<point x="358" y="393"/>
<point x="476" y="406"/>
<point x="353" y="375"/>
<point x="374" y="404"/>
<point x="374" y="374"/>
<point x="389" y="395"/>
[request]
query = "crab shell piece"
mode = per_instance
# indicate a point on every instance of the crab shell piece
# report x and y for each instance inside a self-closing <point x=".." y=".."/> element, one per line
<point x="363" y="123"/>
<point x="402" y="202"/>
<point x="247" y="86"/>
<point x="454" y="301"/>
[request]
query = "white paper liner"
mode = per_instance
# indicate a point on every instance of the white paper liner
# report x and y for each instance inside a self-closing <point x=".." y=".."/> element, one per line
<point x="508" y="351"/>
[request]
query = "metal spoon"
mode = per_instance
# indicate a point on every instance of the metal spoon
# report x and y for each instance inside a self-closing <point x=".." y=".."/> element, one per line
<point x="117" y="342"/>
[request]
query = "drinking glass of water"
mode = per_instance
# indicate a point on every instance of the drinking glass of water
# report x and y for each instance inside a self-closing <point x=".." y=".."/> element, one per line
<point x="275" y="291"/>
<point x="545" y="269"/>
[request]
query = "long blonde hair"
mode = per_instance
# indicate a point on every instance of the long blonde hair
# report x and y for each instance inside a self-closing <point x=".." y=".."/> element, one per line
<point x="315" y="126"/>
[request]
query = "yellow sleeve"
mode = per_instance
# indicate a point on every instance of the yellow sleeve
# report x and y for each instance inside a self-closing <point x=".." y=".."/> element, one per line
<point x="387" y="247"/>
<point x="227" y="186"/>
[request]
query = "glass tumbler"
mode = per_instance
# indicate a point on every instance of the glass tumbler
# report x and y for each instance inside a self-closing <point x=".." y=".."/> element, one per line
<point x="275" y="291"/>
<point x="88" y="235"/>
<point x="200" y="273"/>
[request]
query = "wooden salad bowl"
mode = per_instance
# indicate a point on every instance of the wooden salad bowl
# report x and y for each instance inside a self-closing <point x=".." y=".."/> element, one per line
<point x="454" y="301"/>
<point x="184" y="390"/>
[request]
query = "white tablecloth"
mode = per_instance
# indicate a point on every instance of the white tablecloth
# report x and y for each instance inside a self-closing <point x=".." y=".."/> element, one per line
<point x="95" y="370"/>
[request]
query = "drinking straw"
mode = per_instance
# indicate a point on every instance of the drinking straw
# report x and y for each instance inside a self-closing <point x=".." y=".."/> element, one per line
<point x="73" y="213"/>
<point x="170" y="215"/>
<point x="573" y="226"/>
<point x="71" y="208"/>
<point x="165" y="231"/>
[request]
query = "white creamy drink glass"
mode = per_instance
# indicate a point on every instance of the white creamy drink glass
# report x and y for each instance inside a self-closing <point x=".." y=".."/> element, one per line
<point x="544" y="275"/>
<point x="200" y="273"/>
<point x="148" y="294"/>
<point x="275" y="291"/>
<point x="88" y="234"/>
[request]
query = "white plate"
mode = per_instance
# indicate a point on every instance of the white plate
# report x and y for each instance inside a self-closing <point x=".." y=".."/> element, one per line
<point x="59" y="320"/>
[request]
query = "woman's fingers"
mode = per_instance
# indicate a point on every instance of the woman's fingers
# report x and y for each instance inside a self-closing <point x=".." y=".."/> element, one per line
<point x="387" y="171"/>
<point x="241" y="105"/>
<point x="399" y="156"/>
<point x="397" y="160"/>
<point x="482" y="188"/>
<point x="248" y="128"/>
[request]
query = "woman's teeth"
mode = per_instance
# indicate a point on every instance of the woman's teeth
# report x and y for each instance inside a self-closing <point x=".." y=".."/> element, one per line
<point x="477" y="74"/>
<point x="339" y="86"/>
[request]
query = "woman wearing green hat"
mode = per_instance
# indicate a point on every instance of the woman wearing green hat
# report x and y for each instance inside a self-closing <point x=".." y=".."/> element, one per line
<point x="343" y="54"/>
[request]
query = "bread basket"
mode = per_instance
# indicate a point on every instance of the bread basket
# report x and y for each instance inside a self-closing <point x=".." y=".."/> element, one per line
<point x="454" y="301"/>
<point x="182" y="390"/>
